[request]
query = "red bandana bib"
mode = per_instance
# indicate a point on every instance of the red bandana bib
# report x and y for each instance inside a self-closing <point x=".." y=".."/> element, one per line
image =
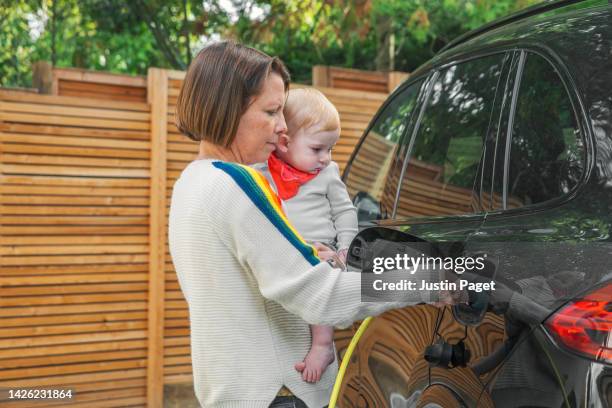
<point x="287" y="178"/>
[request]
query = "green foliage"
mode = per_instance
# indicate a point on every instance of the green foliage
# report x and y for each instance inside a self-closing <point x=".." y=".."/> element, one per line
<point x="131" y="35"/>
<point x="366" y="34"/>
<point x="125" y="36"/>
<point x="15" y="44"/>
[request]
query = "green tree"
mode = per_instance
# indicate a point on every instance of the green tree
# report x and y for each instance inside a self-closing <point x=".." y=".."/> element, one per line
<point x="15" y="43"/>
<point x="131" y="35"/>
<point x="111" y="35"/>
<point x="366" y="34"/>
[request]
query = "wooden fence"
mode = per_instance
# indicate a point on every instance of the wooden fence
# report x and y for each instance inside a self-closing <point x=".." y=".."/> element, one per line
<point x="355" y="79"/>
<point x="75" y="244"/>
<point x="89" y="299"/>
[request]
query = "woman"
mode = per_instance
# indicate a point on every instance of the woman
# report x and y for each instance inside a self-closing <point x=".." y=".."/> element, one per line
<point x="251" y="283"/>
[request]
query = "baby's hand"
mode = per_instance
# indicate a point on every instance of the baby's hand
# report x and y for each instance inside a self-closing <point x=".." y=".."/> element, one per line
<point x="325" y="253"/>
<point x="342" y="254"/>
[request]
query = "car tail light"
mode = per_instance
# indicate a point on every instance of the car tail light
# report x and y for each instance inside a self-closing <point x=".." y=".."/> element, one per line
<point x="585" y="325"/>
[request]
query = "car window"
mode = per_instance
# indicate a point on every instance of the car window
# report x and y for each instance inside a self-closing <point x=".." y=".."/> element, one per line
<point x="373" y="176"/>
<point x="444" y="160"/>
<point x="546" y="150"/>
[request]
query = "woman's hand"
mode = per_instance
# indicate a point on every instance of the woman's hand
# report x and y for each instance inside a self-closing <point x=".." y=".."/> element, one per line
<point x="451" y="297"/>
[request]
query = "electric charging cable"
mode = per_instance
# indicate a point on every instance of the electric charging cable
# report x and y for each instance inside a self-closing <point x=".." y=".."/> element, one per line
<point x="345" y="361"/>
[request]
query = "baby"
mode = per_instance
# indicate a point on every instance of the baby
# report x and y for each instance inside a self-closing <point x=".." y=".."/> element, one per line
<point x="314" y="197"/>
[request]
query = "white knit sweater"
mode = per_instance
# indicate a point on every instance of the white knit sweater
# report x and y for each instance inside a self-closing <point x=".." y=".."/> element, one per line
<point x="252" y="286"/>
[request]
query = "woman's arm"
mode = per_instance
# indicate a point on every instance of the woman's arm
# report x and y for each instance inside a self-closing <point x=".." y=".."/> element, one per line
<point x="287" y="270"/>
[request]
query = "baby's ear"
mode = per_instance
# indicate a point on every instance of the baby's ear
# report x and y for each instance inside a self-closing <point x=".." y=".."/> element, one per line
<point x="283" y="142"/>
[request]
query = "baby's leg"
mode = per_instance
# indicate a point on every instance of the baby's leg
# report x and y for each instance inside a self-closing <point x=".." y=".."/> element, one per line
<point x="321" y="353"/>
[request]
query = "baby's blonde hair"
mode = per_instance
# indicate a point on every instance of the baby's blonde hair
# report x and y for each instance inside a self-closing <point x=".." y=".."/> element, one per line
<point x="308" y="106"/>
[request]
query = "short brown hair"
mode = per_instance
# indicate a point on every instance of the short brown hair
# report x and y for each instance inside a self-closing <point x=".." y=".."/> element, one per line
<point x="218" y="88"/>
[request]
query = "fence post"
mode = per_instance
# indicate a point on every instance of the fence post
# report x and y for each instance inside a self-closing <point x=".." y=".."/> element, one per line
<point x="157" y="96"/>
<point x="395" y="78"/>
<point x="42" y="77"/>
<point x="320" y="76"/>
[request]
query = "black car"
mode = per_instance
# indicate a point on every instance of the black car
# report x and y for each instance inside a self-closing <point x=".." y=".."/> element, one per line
<point x="500" y="146"/>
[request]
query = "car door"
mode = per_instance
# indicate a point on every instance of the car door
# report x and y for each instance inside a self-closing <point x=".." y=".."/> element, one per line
<point x="438" y="201"/>
<point x="544" y="242"/>
<point x="372" y="177"/>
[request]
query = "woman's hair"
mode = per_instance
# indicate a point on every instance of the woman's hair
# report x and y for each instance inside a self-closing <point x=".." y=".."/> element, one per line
<point x="308" y="106"/>
<point x="218" y="88"/>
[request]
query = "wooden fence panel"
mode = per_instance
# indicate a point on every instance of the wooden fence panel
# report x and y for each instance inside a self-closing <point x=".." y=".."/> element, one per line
<point x="356" y="79"/>
<point x="98" y="85"/>
<point x="74" y="247"/>
<point x="89" y="298"/>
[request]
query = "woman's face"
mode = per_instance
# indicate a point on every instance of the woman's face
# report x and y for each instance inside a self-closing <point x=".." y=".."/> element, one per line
<point x="262" y="124"/>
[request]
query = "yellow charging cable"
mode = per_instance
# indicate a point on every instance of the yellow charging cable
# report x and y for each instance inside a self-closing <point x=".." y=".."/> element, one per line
<point x="345" y="361"/>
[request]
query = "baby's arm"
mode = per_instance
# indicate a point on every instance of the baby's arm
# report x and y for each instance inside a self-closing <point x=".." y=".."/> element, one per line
<point x="344" y="213"/>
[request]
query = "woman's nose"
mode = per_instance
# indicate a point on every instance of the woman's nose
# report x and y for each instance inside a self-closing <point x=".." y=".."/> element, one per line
<point x="281" y="125"/>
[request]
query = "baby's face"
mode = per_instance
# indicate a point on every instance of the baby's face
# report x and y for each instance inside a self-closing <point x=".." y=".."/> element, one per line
<point x="310" y="148"/>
